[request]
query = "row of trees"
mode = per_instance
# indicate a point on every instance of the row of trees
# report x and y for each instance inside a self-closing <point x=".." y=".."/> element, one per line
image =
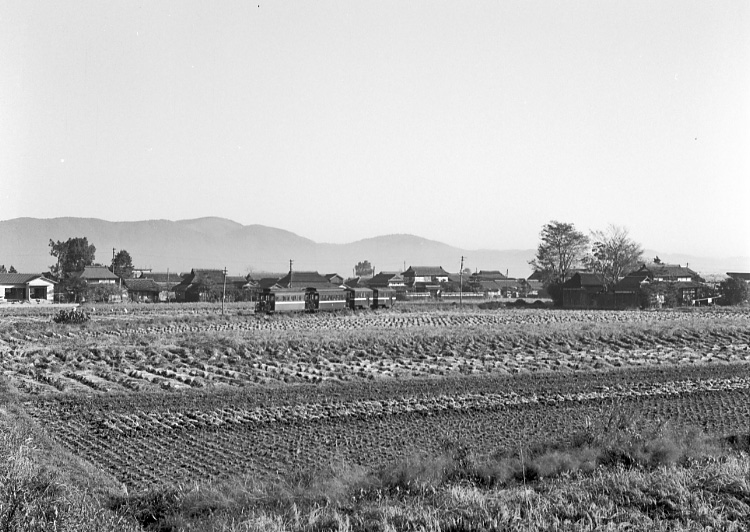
<point x="610" y="253"/>
<point x="3" y="270"/>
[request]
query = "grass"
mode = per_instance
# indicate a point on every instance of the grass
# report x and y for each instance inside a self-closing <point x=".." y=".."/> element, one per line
<point x="43" y="487"/>
<point x="623" y="474"/>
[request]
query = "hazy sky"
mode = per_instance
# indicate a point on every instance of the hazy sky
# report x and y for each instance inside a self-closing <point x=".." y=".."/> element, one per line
<point x="472" y="123"/>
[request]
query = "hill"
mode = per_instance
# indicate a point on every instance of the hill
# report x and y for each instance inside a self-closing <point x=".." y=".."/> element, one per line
<point x="217" y="243"/>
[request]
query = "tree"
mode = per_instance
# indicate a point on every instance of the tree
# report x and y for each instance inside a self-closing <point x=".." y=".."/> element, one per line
<point x="562" y="248"/>
<point x="734" y="291"/>
<point x="363" y="269"/>
<point x="72" y="255"/>
<point x="122" y="264"/>
<point x="613" y="254"/>
<point x="2" y="269"/>
<point x="12" y="269"/>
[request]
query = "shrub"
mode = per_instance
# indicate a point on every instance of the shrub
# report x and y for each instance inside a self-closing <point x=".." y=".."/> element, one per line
<point x="71" y="316"/>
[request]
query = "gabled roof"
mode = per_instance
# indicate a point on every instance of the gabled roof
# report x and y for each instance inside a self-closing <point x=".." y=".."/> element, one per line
<point x="425" y="271"/>
<point x="330" y="276"/>
<point x="21" y="278"/>
<point x="508" y="283"/>
<point x="585" y="280"/>
<point x="745" y="276"/>
<point x="303" y="280"/>
<point x="488" y="286"/>
<point x="95" y="272"/>
<point x="536" y="276"/>
<point x="141" y="285"/>
<point x="355" y="282"/>
<point x="162" y="277"/>
<point x="267" y="282"/>
<point x="667" y="271"/>
<point x="383" y="278"/>
<point x="489" y="275"/>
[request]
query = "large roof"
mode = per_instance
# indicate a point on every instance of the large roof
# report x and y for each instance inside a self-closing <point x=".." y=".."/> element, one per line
<point x="383" y="278"/>
<point x="21" y="278"/>
<point x="585" y="280"/>
<point x="303" y="280"/>
<point x="424" y="271"/>
<point x="667" y="271"/>
<point x="96" y="272"/>
<point x="141" y="285"/>
<point x="745" y="276"/>
<point x="490" y="275"/>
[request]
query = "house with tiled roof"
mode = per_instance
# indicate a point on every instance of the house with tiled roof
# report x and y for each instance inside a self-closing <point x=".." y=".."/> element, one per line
<point x="295" y="279"/>
<point x="200" y="285"/>
<point x="334" y="279"/>
<point x="96" y="275"/>
<point x="386" y="280"/>
<point x="142" y="290"/>
<point x="425" y="278"/>
<point x="26" y="288"/>
<point x="655" y="283"/>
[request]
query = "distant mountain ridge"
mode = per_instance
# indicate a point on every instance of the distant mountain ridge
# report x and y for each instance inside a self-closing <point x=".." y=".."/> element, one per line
<point x="215" y="242"/>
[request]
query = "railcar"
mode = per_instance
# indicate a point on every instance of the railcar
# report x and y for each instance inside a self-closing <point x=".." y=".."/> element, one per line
<point x="272" y="300"/>
<point x="333" y="298"/>
<point x="359" y="298"/>
<point x="383" y="297"/>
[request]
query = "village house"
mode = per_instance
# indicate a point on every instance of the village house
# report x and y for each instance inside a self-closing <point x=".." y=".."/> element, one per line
<point x="658" y="280"/>
<point x="334" y="279"/>
<point x="209" y="285"/>
<point x="26" y="288"/>
<point x="142" y="290"/>
<point x="296" y="279"/>
<point x="96" y="275"/>
<point x="386" y="280"/>
<point x="425" y="278"/>
<point x="582" y="290"/>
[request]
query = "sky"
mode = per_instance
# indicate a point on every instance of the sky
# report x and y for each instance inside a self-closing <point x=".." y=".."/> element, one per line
<point x="470" y="123"/>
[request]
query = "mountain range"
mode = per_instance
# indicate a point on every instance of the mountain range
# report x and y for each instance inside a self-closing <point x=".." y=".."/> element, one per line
<point x="214" y="242"/>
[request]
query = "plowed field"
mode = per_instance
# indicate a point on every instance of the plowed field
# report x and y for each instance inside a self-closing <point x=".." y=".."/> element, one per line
<point x="156" y="400"/>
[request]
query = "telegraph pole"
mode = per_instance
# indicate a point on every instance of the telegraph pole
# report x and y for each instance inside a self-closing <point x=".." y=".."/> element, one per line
<point x="461" y="283"/>
<point x="291" y="261"/>
<point x="224" y="292"/>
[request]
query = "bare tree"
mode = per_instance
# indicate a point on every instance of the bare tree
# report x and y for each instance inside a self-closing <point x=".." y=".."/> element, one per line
<point x="613" y="254"/>
<point x="562" y="248"/>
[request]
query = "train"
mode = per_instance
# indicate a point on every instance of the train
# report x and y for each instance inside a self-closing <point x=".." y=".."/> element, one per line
<point x="272" y="300"/>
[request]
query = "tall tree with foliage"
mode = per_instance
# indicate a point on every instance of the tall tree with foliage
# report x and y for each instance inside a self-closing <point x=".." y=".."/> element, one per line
<point x="122" y="264"/>
<point x="72" y="255"/>
<point x="3" y="269"/>
<point x="562" y="248"/>
<point x="12" y="269"/>
<point x="734" y="291"/>
<point x="613" y="254"/>
<point x="363" y="268"/>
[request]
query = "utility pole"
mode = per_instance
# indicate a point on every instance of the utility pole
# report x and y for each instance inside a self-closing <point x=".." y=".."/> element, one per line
<point x="461" y="283"/>
<point x="224" y="292"/>
<point x="290" y="272"/>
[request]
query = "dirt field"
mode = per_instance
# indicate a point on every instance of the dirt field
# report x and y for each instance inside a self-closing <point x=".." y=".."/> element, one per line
<point x="184" y="396"/>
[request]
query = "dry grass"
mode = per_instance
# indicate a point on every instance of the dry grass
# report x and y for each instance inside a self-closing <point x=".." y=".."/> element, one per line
<point x="697" y="485"/>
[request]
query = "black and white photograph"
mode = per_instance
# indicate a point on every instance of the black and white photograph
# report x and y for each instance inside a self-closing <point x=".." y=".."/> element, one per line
<point x="374" y="265"/>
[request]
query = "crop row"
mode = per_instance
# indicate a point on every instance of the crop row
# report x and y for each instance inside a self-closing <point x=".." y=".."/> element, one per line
<point x="144" y="448"/>
<point x="112" y="424"/>
<point x="123" y="326"/>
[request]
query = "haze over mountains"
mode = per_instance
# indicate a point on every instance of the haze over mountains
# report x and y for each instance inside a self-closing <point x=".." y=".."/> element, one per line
<point x="214" y="242"/>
